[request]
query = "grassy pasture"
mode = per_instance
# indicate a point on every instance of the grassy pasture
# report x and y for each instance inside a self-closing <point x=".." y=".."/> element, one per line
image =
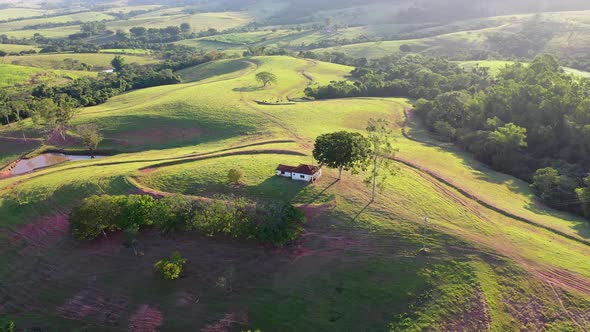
<point x="11" y="75"/>
<point x="56" y="61"/>
<point x="199" y="21"/>
<point x="83" y="17"/>
<point x="14" y="13"/>
<point x="126" y="51"/>
<point x="354" y="259"/>
<point x="14" y="48"/>
<point x="127" y="9"/>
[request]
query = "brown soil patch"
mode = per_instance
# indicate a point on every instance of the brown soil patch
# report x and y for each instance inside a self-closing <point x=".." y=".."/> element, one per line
<point x="224" y="324"/>
<point x="43" y="233"/>
<point x="474" y="316"/>
<point x="94" y="305"/>
<point x="56" y="139"/>
<point x="566" y="280"/>
<point x="145" y="319"/>
<point x="148" y="170"/>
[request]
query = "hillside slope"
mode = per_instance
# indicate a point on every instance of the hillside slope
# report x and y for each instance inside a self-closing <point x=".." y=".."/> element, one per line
<point x="485" y="270"/>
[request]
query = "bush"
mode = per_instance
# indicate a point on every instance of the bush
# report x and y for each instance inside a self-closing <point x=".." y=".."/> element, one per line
<point x="282" y="225"/>
<point x="229" y="216"/>
<point x="97" y="215"/>
<point x="7" y="326"/>
<point x="235" y="175"/>
<point x="171" y="268"/>
<point x="174" y="213"/>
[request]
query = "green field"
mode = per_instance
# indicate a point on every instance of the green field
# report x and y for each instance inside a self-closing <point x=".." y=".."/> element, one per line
<point x="56" y="61"/>
<point x="9" y="27"/>
<point x="485" y="270"/>
<point x="14" y="13"/>
<point x="126" y="51"/>
<point x="13" y="48"/>
<point x="198" y="22"/>
<point x="11" y="75"/>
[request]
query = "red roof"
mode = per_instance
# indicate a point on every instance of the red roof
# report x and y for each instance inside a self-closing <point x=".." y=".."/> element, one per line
<point x="285" y="168"/>
<point x="301" y="169"/>
<point x="306" y="169"/>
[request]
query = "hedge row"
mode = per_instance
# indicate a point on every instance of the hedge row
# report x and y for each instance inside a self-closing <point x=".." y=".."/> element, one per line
<point x="230" y="216"/>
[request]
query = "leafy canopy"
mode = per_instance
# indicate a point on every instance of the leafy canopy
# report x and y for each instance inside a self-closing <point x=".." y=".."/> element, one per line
<point x="266" y="78"/>
<point x="342" y="150"/>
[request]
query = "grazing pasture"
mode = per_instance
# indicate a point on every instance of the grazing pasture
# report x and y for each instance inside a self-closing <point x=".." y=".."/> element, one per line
<point x="355" y="258"/>
<point x="57" y="61"/>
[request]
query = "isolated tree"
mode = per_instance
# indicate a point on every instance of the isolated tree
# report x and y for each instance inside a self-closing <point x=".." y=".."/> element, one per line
<point x="235" y="175"/>
<point x="381" y="155"/>
<point x="20" y="109"/>
<point x="58" y="115"/>
<point x="118" y="63"/>
<point x="342" y="150"/>
<point x="405" y="48"/>
<point x="91" y="137"/>
<point x="185" y="27"/>
<point x="266" y="78"/>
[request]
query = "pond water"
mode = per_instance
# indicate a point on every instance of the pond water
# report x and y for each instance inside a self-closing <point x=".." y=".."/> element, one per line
<point x="43" y="160"/>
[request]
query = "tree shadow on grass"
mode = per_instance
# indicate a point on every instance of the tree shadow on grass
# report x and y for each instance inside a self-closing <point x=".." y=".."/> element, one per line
<point x="248" y="89"/>
<point x="278" y="188"/>
<point x="361" y="211"/>
<point x="321" y="193"/>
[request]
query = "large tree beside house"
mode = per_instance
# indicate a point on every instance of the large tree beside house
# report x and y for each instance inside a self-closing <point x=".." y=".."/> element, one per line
<point x="342" y="150"/>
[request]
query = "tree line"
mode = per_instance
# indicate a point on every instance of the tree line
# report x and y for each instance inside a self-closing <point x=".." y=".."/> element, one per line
<point x="533" y="122"/>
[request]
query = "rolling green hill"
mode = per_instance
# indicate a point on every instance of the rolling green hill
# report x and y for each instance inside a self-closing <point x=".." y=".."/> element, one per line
<point x="498" y="261"/>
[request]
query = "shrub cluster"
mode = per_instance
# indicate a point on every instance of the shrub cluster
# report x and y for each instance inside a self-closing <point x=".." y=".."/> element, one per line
<point x="229" y="216"/>
<point x="171" y="268"/>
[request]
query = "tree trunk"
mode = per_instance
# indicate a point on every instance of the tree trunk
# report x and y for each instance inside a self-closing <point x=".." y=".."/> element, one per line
<point x="340" y="173"/>
<point x="374" y="193"/>
<point x="7" y="120"/>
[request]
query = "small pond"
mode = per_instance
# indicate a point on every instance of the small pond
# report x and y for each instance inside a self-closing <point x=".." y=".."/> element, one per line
<point x="43" y="160"/>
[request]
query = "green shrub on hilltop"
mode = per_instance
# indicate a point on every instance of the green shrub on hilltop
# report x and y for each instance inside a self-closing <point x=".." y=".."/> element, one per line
<point x="171" y="268"/>
<point x="229" y="216"/>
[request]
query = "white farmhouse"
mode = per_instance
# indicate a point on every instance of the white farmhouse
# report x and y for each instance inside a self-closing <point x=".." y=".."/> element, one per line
<point x="307" y="173"/>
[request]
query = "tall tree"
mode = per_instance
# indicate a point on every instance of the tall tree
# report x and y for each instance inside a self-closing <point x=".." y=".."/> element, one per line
<point x="342" y="150"/>
<point x="118" y="63"/>
<point x="381" y="155"/>
<point x="91" y="137"/>
<point x="57" y="115"/>
<point x="5" y="110"/>
<point x="266" y="78"/>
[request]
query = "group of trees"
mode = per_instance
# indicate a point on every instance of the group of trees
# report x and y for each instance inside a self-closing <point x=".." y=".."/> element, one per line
<point x="532" y="121"/>
<point x="354" y="152"/>
<point x="229" y="216"/>
<point x="90" y="91"/>
<point x="412" y="76"/>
